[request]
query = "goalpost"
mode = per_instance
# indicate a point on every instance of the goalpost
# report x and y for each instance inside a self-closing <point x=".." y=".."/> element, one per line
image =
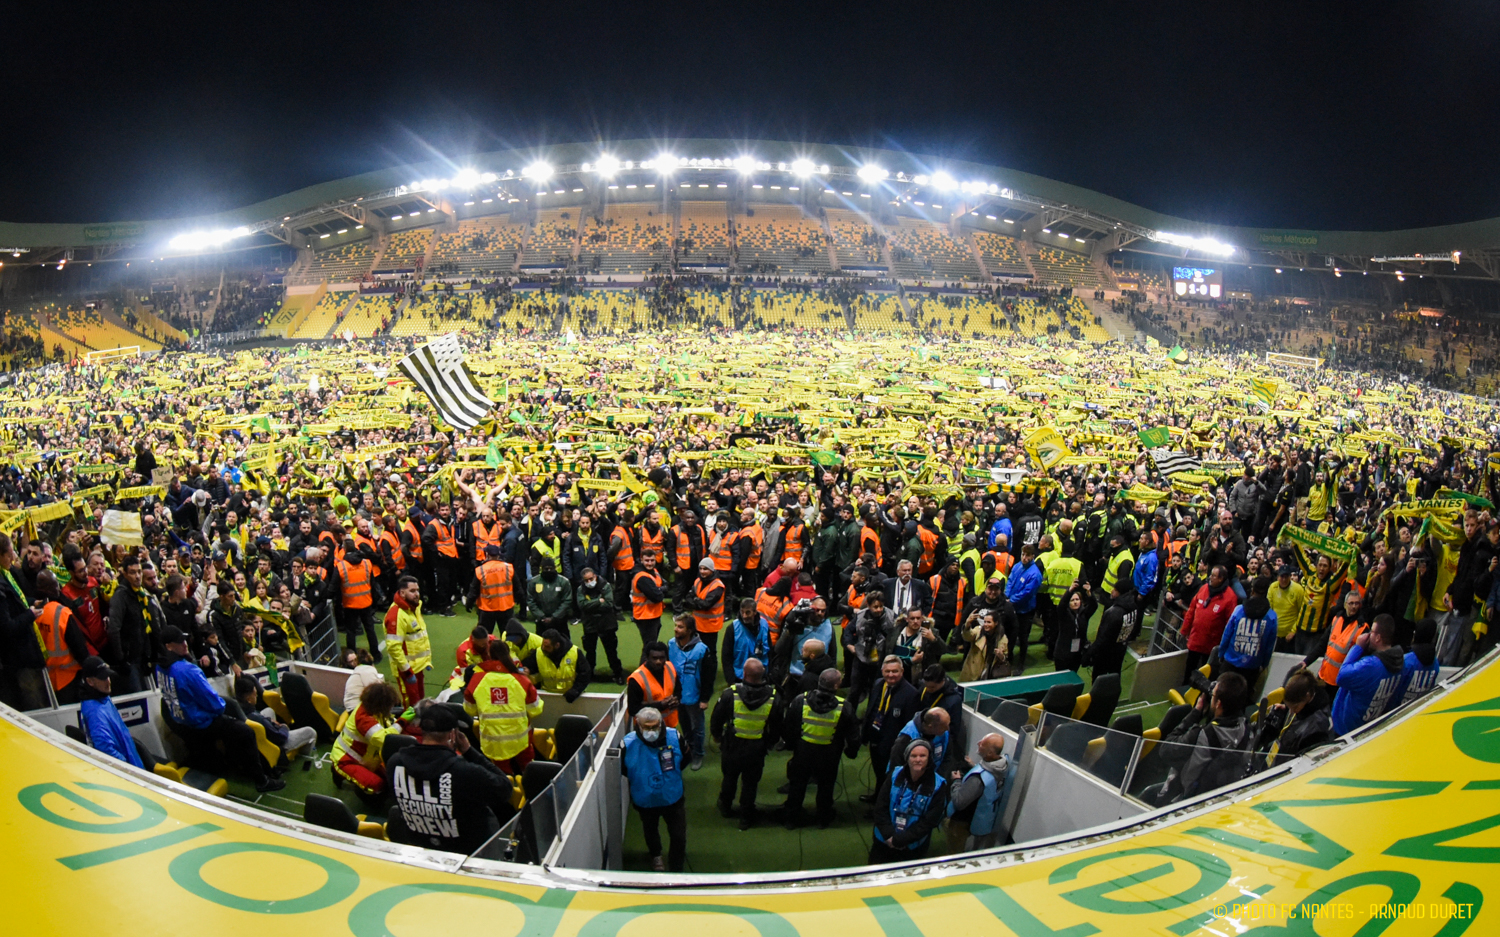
<point x="111" y="354"/>
<point x="1293" y="361"/>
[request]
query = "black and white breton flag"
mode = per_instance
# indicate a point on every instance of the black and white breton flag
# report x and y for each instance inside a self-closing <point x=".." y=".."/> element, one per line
<point x="1170" y="462"/>
<point x="438" y="369"/>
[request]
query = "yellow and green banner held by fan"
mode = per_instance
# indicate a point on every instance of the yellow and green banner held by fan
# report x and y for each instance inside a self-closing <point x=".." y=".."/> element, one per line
<point x="1046" y="447"/>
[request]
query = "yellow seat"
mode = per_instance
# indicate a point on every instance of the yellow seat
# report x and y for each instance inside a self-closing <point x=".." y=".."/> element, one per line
<point x="1093" y="752"/>
<point x="320" y="703"/>
<point x="545" y="745"/>
<point x="1152" y="736"/>
<point x="1176" y="699"/>
<point x="1276" y="696"/>
<point x="343" y="718"/>
<point x="170" y="771"/>
<point x="269" y="750"/>
<point x="220" y="788"/>
<point x="1034" y="714"/>
<point x="517" y="794"/>
<point x="1082" y="705"/>
<point x="370" y="828"/>
<point x="273" y="700"/>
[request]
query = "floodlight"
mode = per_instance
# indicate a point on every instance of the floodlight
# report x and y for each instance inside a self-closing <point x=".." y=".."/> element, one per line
<point x="803" y="167"/>
<point x="199" y="240"/>
<point x="943" y="182"/>
<point x="539" y="171"/>
<point x="666" y="162"/>
<point x="1205" y="244"/>
<point x="607" y="166"/>
<point x="466" y="179"/>
<point x="872" y="173"/>
<point x="745" y="164"/>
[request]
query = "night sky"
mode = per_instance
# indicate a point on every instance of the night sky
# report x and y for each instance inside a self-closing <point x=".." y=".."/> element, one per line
<point x="1312" y="115"/>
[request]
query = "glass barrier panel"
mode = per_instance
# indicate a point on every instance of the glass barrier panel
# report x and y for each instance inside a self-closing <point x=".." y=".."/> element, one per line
<point x="1168" y="771"/>
<point x="1102" y="752"/>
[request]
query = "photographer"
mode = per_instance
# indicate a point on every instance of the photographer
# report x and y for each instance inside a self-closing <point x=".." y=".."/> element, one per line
<point x="1210" y="747"/>
<point x="807" y="622"/>
<point x="916" y="644"/>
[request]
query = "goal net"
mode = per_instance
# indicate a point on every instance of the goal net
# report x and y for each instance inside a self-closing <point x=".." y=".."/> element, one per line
<point x="1293" y="361"/>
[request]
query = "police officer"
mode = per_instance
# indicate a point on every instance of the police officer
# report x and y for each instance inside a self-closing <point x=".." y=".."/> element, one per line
<point x="817" y="727"/>
<point x="745" y="721"/>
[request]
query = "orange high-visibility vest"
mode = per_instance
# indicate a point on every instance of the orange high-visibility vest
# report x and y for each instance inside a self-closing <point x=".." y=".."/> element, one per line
<point x="711" y="620"/>
<point x="484" y="538"/>
<point x="724" y="555"/>
<point x="1341" y="637"/>
<point x="445" y="544"/>
<point x="685" y="546"/>
<point x="641" y="608"/>
<point x="869" y="542"/>
<point x="936" y="582"/>
<point x="654" y="544"/>
<point x="624" y="557"/>
<point x="495" y="586"/>
<point x="1003" y="562"/>
<point x="656" y="692"/>
<point x="928" y="561"/>
<point x="365" y="543"/>
<point x="356" y="577"/>
<point x="394" y="542"/>
<point x="50" y="625"/>
<point x="791" y="539"/>
<point x="757" y="538"/>
<point x="773" y="609"/>
<point x="416" y="540"/>
<point x="855" y="601"/>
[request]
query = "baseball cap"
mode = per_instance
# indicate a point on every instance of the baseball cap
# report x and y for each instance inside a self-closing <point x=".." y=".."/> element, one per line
<point x="441" y="717"/>
<point x="95" y="668"/>
<point x="171" y="634"/>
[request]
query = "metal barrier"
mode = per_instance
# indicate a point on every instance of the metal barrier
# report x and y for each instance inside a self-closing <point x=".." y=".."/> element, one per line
<point x="323" y="638"/>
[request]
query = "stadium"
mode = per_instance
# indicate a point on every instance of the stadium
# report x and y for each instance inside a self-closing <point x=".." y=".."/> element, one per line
<point x="1231" y="485"/>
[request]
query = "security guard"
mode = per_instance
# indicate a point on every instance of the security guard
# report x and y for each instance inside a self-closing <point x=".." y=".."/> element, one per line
<point x="706" y="601"/>
<point x="356" y="582"/>
<point x="1060" y="570"/>
<point x="503" y="703"/>
<point x="406" y="639"/>
<point x="442" y="552"/>
<point x="1118" y="553"/>
<point x="494" y="587"/>
<point x="745" y="723"/>
<point x="559" y="667"/>
<point x="817" y="727"/>
<point x="646" y="601"/>
<point x="63" y="640"/>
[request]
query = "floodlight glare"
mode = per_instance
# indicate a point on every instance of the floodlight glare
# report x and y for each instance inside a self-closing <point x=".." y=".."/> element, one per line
<point x="943" y="182"/>
<point x="199" y="240"/>
<point x="538" y="171"/>
<point x="1204" y="244"/>
<point x="607" y="166"/>
<point x="666" y="162"/>
<point x="745" y="164"/>
<point x="803" y="167"/>
<point x="872" y="173"/>
<point x="466" y="178"/>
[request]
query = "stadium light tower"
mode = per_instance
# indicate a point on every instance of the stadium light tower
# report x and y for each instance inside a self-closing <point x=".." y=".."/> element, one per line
<point x="200" y="240"/>
<point x="607" y="166"/>
<point x="666" y="163"/>
<point x="745" y="164"/>
<point x="872" y="173"/>
<point x="803" y="167"/>
<point x="943" y="182"/>
<point x="538" y="171"/>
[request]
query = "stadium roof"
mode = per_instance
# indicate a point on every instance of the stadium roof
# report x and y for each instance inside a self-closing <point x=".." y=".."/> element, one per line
<point x="974" y="183"/>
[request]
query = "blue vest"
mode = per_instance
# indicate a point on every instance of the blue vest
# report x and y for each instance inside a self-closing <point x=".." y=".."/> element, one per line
<point x="689" y="676"/>
<point x="652" y="783"/>
<point x="939" y="744"/>
<point x="747" y="646"/>
<point x="908" y="804"/>
<point x="987" y="808"/>
<point x="822" y="632"/>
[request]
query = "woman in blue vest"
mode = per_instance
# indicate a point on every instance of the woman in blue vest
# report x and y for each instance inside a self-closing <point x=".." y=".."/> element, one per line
<point x="911" y="803"/>
<point x="653" y="763"/>
<point x="974" y="802"/>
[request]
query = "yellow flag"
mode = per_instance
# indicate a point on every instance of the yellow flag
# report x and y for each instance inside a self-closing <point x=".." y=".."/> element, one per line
<point x="1047" y="447"/>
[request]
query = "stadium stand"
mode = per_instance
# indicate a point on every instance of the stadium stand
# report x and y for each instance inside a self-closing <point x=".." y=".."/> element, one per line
<point x="478" y="248"/>
<point x="881" y="312"/>
<point x="436" y="313"/>
<point x="780" y="240"/>
<point x="343" y="264"/>
<point x="1001" y="254"/>
<point x="632" y="238"/>
<point x="923" y="250"/>
<point x="551" y="240"/>
<point x="611" y="311"/>
<point x="324" y="316"/>
<point x="793" y="309"/>
<point x="366" y="317"/>
<point x="1065" y="268"/>
<point x="703" y="234"/>
<point x="406" y="250"/>
<point x="855" y="241"/>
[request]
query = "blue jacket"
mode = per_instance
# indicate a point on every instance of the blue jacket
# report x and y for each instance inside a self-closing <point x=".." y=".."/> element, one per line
<point x="188" y="695"/>
<point x="939" y="743"/>
<point x="823" y="631"/>
<point x="692" y="671"/>
<point x="653" y="784"/>
<point x="1002" y="525"/>
<point x="1021" y="588"/>
<point x="1249" y="641"/>
<point x="1367" y="684"/>
<point x="1144" y="576"/>
<point x="1417" y="678"/>
<point x="106" y="731"/>
<point x="744" y="645"/>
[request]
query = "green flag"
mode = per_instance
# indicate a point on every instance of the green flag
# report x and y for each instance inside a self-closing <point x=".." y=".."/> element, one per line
<point x="1178" y="355"/>
<point x="262" y="423"/>
<point x="492" y="457"/>
<point x="1155" y="437"/>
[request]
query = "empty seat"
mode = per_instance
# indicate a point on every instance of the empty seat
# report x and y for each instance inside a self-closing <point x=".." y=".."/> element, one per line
<point x="1070" y="739"/>
<point x="536" y="777"/>
<point x="333" y="814"/>
<point x="1104" y="696"/>
<point x="306" y="708"/>
<point x="1119" y="745"/>
<point x="569" y="734"/>
<point x="1060" y="699"/>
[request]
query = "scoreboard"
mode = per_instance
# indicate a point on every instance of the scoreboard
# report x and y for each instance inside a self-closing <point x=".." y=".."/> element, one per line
<point x="1198" y="281"/>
